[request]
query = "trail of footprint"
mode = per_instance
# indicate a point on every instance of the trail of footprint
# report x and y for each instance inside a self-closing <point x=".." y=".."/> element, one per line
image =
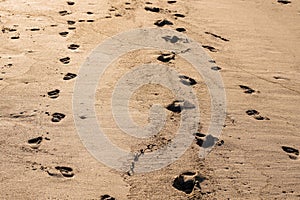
<point x="290" y="151"/>
<point x="188" y="181"/>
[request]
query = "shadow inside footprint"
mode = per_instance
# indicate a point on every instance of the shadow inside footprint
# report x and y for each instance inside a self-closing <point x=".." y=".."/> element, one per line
<point x="69" y="76"/>
<point x="57" y="117"/>
<point x="177" y="106"/>
<point x="252" y="112"/>
<point x="180" y="29"/>
<point x="64" y="34"/>
<point x="187" y="80"/>
<point x="36" y="140"/>
<point x="187" y="181"/>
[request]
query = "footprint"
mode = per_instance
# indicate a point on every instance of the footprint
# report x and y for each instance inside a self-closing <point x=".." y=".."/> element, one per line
<point x="89" y="13"/>
<point x="256" y="115"/>
<point x="210" y="48"/>
<point x="199" y="140"/>
<point x="161" y="23"/>
<point x="177" y="106"/>
<point x="64" y="12"/>
<point x="90" y="20"/>
<point x="64" y="34"/>
<point x="166" y="57"/>
<point x="152" y="9"/>
<point x="247" y="89"/>
<point x="65" y="60"/>
<point x="34" y="29"/>
<point x="171" y="2"/>
<point x="65" y="171"/>
<point x="35" y="142"/>
<point x="252" y="112"/>
<point x="69" y="76"/>
<point x="70" y="3"/>
<point x="15" y="37"/>
<point x="180" y="29"/>
<point x="73" y="46"/>
<point x="179" y="15"/>
<point x="61" y="171"/>
<point x="53" y="94"/>
<point x="290" y="151"/>
<point x="216" y="68"/>
<point x="71" y="22"/>
<point x="107" y="197"/>
<point x="187" y="80"/>
<point x="217" y="36"/>
<point x="187" y="182"/>
<point x="284" y="1"/>
<point x="57" y="117"/>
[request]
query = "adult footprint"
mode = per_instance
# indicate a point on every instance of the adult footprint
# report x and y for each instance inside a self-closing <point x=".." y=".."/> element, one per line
<point x="35" y="142"/>
<point x="166" y="57"/>
<point x="73" y="46"/>
<point x="57" y="117"/>
<point x="290" y="151"/>
<point x="161" y="23"/>
<point x="65" y="171"/>
<point x="187" y="181"/>
<point x="65" y="60"/>
<point x="187" y="80"/>
<point x="69" y="76"/>
<point x="152" y="9"/>
<point x="247" y="89"/>
<point x="177" y="106"/>
<point x="54" y="93"/>
<point x="106" y="197"/>
<point x="210" y="48"/>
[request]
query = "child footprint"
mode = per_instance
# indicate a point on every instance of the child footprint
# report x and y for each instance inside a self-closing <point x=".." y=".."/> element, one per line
<point x="290" y="151"/>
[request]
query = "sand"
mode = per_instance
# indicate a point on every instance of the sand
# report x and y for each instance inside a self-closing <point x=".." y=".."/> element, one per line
<point x="255" y="46"/>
